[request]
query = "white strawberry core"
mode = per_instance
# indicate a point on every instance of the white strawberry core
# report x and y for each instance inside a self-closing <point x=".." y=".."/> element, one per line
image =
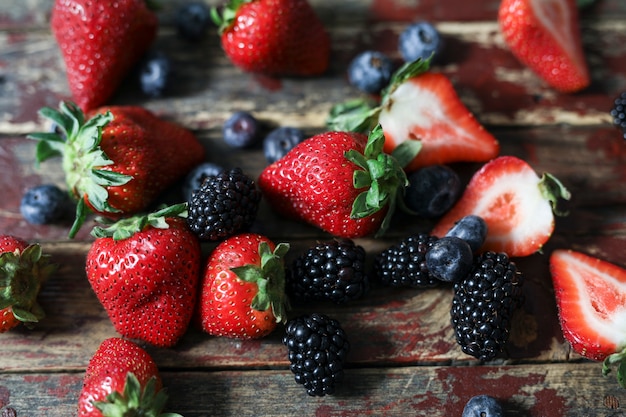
<point x="555" y="16"/>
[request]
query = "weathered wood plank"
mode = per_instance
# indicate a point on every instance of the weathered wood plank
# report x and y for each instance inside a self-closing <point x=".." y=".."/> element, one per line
<point x="573" y="390"/>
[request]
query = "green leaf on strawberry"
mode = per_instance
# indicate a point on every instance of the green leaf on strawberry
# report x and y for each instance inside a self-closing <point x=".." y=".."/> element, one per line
<point x="270" y="279"/>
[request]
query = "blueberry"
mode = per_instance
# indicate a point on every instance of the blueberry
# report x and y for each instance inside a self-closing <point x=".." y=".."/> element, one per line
<point x="192" y="20"/>
<point x="472" y="229"/>
<point x="196" y="177"/>
<point x="280" y="141"/>
<point x="449" y="259"/>
<point x="45" y="204"/>
<point x="432" y="190"/>
<point x="370" y="71"/>
<point x="241" y="130"/>
<point x="154" y="73"/>
<point x="483" y="406"/>
<point x="420" y="40"/>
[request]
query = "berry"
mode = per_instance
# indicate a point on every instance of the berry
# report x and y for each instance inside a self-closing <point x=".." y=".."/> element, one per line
<point x="192" y="20"/>
<point x="449" y="259"/>
<point x="483" y="304"/>
<point x="618" y="113"/>
<point x="224" y="205"/>
<point x="483" y="406"/>
<point x="472" y="229"/>
<point x="420" y="40"/>
<point x="154" y="73"/>
<point x="280" y="141"/>
<point x="241" y="130"/>
<point x="370" y="71"/>
<point x="45" y="204"/>
<point x="317" y="347"/>
<point x="432" y="190"/>
<point x="333" y="270"/>
<point x="404" y="264"/>
<point x="196" y="177"/>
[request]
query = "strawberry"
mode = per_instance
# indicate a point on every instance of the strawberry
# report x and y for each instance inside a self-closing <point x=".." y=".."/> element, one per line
<point x="23" y="269"/>
<point x="242" y="293"/>
<point x="122" y="379"/>
<point x="423" y="107"/>
<point x="144" y="271"/>
<point x="274" y="37"/>
<point x="340" y="182"/>
<point x="517" y="205"/>
<point x="590" y="295"/>
<point x="100" y="43"/>
<point x="545" y="36"/>
<point x="118" y="160"/>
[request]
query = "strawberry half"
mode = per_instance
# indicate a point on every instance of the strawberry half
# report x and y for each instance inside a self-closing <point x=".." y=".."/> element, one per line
<point x="591" y="299"/>
<point x="422" y="107"/>
<point x="545" y="36"/>
<point x="517" y="205"/>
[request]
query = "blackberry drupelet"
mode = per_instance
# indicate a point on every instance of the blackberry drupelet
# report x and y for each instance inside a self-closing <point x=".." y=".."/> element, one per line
<point x="333" y="270"/>
<point x="404" y="264"/>
<point x="224" y="205"/>
<point x="483" y="304"/>
<point x="317" y="347"/>
<point x="618" y="113"/>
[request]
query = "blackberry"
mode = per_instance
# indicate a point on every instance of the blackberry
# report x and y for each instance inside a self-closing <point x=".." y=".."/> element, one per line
<point x="333" y="270"/>
<point x="618" y="113"/>
<point x="483" y="304"/>
<point x="404" y="264"/>
<point x="225" y="204"/>
<point x="317" y="347"/>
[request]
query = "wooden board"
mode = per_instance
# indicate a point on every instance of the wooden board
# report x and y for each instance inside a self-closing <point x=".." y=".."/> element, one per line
<point x="404" y="360"/>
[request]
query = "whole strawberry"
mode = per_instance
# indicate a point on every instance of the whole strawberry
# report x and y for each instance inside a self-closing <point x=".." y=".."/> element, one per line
<point x="545" y="36"/>
<point x="117" y="161"/>
<point x="23" y="268"/>
<point x="122" y="379"/>
<point x="243" y="289"/>
<point x="274" y="37"/>
<point x="144" y="271"/>
<point x="341" y="182"/>
<point x="100" y="43"/>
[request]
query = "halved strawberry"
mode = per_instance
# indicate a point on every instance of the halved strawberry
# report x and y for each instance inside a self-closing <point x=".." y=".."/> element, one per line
<point x="591" y="298"/>
<point x="427" y="108"/>
<point x="517" y="205"/>
<point x="545" y="36"/>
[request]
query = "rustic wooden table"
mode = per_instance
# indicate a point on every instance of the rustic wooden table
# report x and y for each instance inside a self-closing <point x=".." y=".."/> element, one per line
<point x="404" y="360"/>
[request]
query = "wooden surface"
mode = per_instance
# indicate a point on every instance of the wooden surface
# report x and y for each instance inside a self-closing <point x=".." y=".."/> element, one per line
<point x="404" y="360"/>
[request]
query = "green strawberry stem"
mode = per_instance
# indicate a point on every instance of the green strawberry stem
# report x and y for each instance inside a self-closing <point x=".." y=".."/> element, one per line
<point x="78" y="143"/>
<point x="553" y="190"/>
<point x="21" y="276"/>
<point x="134" y="401"/>
<point x="229" y="11"/>
<point x="616" y="359"/>
<point x="270" y="280"/>
<point x="359" y="115"/>
<point x="127" y="227"/>
<point x="382" y="175"/>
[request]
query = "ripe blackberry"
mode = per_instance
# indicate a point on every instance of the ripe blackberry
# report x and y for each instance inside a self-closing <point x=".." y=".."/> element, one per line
<point x="333" y="270"/>
<point x="317" y="348"/>
<point x="618" y="113"/>
<point x="483" y="304"/>
<point x="225" y="204"/>
<point x="404" y="264"/>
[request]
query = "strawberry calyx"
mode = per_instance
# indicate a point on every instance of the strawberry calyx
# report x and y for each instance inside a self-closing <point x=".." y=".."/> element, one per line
<point x="553" y="190"/>
<point x="381" y="174"/>
<point x="135" y="401"/>
<point x="270" y="280"/>
<point x="616" y="359"/>
<point x="229" y="11"/>
<point x="21" y="276"/>
<point x="127" y="227"/>
<point x="78" y="143"/>
<point x="361" y="115"/>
